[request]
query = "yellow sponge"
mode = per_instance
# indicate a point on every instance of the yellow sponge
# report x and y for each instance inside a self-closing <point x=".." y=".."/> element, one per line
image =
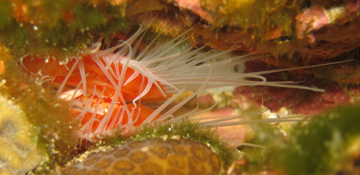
<point x="154" y="156"/>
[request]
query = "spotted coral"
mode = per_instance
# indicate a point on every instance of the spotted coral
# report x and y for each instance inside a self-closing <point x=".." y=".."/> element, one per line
<point x="154" y="156"/>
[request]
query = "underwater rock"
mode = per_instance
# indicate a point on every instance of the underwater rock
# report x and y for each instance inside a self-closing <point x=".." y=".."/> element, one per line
<point x="339" y="81"/>
<point x="316" y="30"/>
<point x="313" y="29"/>
<point x="298" y="101"/>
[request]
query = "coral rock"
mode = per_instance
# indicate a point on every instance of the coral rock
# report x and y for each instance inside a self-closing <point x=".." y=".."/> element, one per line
<point x="18" y="146"/>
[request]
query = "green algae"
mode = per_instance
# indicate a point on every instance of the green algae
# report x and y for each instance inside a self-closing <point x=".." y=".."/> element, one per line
<point x="256" y="159"/>
<point x="325" y="144"/>
<point x="320" y="145"/>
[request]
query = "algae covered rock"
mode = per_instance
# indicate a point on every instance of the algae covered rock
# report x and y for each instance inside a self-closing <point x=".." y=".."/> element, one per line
<point x="324" y="144"/>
